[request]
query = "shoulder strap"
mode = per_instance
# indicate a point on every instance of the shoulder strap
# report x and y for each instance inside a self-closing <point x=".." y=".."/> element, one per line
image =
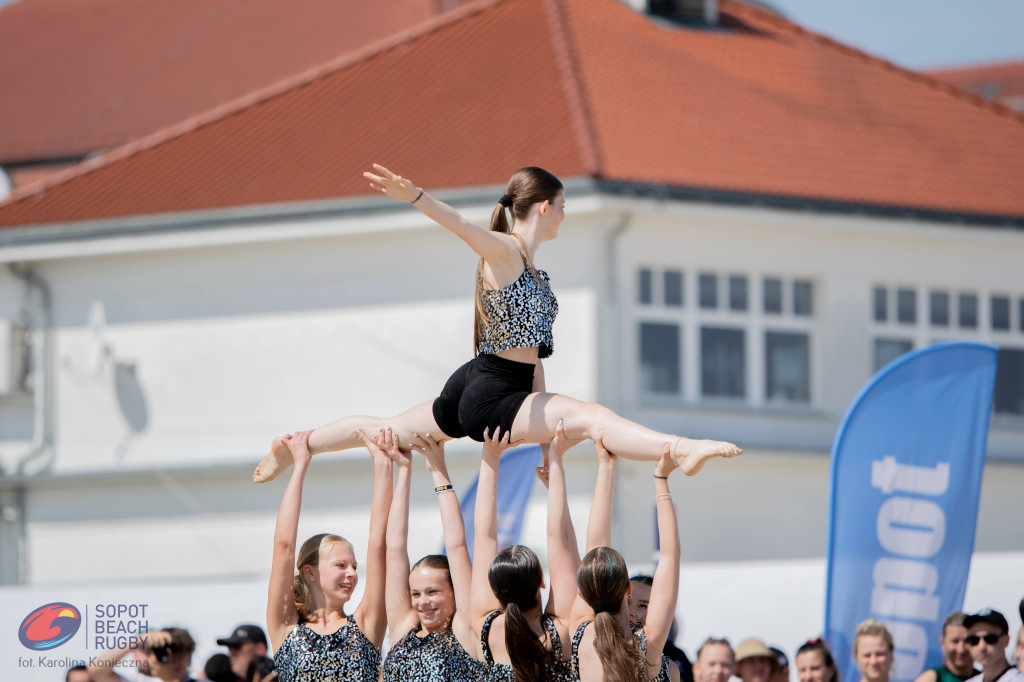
<point x="556" y="643"/>
<point x="485" y="631"/>
<point x="576" y="639"/>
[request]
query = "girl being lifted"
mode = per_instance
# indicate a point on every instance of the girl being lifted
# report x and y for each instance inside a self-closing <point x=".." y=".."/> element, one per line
<point x="502" y="388"/>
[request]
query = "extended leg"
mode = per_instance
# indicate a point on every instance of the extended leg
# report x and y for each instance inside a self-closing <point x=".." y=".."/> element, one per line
<point x="341" y="435"/>
<point x="537" y="418"/>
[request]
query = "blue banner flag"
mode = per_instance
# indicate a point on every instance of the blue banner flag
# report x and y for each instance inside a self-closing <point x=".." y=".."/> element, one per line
<point x="515" y="481"/>
<point x="906" y="478"/>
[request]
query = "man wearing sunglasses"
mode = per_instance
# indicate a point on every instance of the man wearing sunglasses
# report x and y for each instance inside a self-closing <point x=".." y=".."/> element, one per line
<point x="988" y="635"/>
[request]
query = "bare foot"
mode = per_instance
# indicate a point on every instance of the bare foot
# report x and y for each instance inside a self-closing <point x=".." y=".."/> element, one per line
<point x="691" y="455"/>
<point x="274" y="464"/>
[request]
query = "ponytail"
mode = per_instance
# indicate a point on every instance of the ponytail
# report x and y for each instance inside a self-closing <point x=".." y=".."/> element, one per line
<point x="527" y="653"/>
<point x="515" y="576"/>
<point x="526" y="187"/>
<point x="603" y="580"/>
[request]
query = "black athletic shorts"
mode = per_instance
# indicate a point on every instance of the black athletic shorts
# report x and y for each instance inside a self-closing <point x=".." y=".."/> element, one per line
<point x="485" y="393"/>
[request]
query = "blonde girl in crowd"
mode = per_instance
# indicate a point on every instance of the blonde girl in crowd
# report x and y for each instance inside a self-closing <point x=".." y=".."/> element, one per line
<point x="502" y="389"/>
<point x="873" y="649"/>
<point x="313" y="636"/>
<point x="428" y="606"/>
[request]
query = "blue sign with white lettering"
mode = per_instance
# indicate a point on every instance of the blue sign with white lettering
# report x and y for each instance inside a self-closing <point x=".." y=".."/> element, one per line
<point x="906" y="478"/>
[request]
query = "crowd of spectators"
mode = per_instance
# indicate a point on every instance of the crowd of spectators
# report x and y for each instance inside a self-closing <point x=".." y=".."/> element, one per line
<point x="974" y="647"/>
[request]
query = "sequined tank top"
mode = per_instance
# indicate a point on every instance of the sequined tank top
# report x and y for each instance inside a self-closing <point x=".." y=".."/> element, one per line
<point x="556" y="669"/>
<point x="436" y="657"/>
<point x="520" y="315"/>
<point x="345" y="655"/>
<point x="641" y="644"/>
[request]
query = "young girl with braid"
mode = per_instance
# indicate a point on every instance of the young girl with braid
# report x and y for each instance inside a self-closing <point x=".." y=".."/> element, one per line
<point x="502" y="388"/>
<point x="427" y="607"/>
<point x="313" y="636"/>
<point x="607" y="648"/>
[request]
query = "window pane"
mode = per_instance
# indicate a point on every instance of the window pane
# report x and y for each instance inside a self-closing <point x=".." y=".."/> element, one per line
<point x="708" y="291"/>
<point x="673" y="288"/>
<point x="659" y="358"/>
<point x="881" y="304"/>
<point x="887" y="350"/>
<point x="737" y="292"/>
<point x="802" y="295"/>
<point x="938" y="305"/>
<point x="787" y="368"/>
<point x="723" y="367"/>
<point x="772" y="295"/>
<point x="1001" y="313"/>
<point x="646" y="295"/>
<point x="1009" y="392"/>
<point x="968" y="305"/>
<point x="906" y="306"/>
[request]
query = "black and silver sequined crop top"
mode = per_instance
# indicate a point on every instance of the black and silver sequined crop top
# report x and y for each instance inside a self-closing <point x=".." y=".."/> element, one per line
<point x="520" y="315"/>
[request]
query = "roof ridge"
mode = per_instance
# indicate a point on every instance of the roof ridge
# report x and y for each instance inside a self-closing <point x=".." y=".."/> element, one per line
<point x="571" y="75"/>
<point x="240" y="104"/>
<point x="923" y="78"/>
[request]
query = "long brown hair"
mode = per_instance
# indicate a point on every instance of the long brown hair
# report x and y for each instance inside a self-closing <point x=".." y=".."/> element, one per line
<point x="526" y="187"/>
<point x="309" y="555"/>
<point x="818" y="644"/>
<point x="603" y="580"/>
<point x="515" y="576"/>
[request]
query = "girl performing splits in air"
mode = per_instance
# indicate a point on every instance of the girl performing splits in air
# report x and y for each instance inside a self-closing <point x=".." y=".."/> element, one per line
<point x="502" y="388"/>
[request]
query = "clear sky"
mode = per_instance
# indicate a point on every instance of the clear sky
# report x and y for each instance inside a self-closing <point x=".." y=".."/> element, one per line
<point x="918" y="34"/>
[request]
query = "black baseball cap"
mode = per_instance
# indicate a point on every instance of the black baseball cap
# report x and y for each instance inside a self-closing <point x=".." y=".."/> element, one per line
<point x="244" y="633"/>
<point x="990" y="616"/>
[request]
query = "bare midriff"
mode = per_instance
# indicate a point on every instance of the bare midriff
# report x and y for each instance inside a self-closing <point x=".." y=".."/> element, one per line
<point x="528" y="355"/>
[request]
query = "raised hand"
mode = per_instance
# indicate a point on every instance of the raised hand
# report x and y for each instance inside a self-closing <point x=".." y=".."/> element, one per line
<point x="382" y="449"/>
<point x="493" y="447"/>
<point x="667" y="464"/>
<point x="298" y="446"/>
<point x="432" y="451"/>
<point x="395" y="186"/>
<point x="604" y="457"/>
<point x="560" y="443"/>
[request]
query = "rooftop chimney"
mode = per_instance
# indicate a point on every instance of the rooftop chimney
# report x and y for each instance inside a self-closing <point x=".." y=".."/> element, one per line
<point x="682" y="11"/>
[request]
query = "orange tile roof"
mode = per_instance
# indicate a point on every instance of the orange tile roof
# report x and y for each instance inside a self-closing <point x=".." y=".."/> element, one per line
<point x="82" y="75"/>
<point x="1007" y="77"/>
<point x="585" y="88"/>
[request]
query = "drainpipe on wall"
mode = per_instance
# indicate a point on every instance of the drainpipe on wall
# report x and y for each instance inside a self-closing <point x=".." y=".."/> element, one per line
<point x="42" y="397"/>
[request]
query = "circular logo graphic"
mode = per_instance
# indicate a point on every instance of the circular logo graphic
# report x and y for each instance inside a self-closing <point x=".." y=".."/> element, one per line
<point x="49" y="626"/>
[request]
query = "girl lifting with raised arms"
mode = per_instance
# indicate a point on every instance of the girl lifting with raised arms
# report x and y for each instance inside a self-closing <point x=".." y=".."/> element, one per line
<point x="502" y="388"/>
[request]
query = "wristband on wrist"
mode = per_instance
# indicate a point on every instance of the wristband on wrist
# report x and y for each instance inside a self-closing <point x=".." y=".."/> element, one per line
<point x="664" y="478"/>
<point x="666" y="496"/>
<point x="418" y="196"/>
<point x="442" y="488"/>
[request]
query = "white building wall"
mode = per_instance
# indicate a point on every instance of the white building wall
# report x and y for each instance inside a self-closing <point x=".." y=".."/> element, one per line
<point x="226" y="337"/>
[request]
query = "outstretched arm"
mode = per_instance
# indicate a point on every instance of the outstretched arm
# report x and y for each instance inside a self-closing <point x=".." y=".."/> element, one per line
<point x="454" y="537"/>
<point x="485" y="528"/>
<point x="599" y="528"/>
<point x="371" y="615"/>
<point x="491" y="246"/>
<point x="665" y="589"/>
<point x="562" y="560"/>
<point x="281" y="613"/>
<point x="401" y="616"/>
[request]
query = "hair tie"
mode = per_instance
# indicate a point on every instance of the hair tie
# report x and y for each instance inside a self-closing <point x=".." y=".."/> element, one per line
<point x="608" y="556"/>
<point x="603" y="608"/>
<point x="505" y="201"/>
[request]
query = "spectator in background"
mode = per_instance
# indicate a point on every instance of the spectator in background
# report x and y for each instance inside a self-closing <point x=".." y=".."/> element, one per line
<point x="218" y="669"/>
<point x="168" y="653"/>
<point x="781" y="673"/>
<point x="814" y="662"/>
<point x="872" y="650"/>
<point x="988" y="635"/>
<point x="244" y="644"/>
<point x="1019" y="650"/>
<point x="78" y="673"/>
<point x="957" y="664"/>
<point x="715" y="662"/>
<point x="754" y="661"/>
